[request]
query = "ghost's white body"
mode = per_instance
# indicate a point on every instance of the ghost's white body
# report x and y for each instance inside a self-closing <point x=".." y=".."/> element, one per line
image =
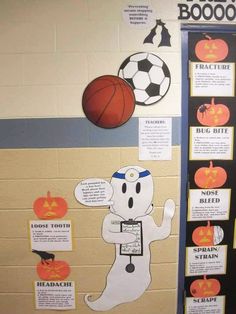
<point x="123" y="286"/>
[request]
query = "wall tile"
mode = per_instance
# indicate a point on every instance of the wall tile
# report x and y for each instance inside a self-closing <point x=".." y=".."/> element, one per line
<point x="87" y="36"/>
<point x="57" y="10"/>
<point x="98" y="10"/>
<point x="11" y="37"/>
<point x="72" y="68"/>
<point x="159" y="253"/>
<point x="168" y="11"/>
<point x="103" y="37"/>
<point x="69" y="100"/>
<point x="26" y="37"/>
<point x="165" y="188"/>
<point x="24" y="101"/>
<point x="13" y="11"/>
<point x="20" y="194"/>
<point x="86" y="163"/>
<point x="24" y="163"/>
<point x="54" y="69"/>
<point x="103" y="63"/>
<point x="11" y="66"/>
<point x="71" y="36"/>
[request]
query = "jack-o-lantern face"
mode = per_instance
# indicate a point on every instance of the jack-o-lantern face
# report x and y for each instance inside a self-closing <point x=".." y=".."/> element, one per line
<point x="213" y="114"/>
<point x="53" y="270"/>
<point x="207" y="235"/>
<point x="211" y="177"/>
<point x="211" y="50"/>
<point x="202" y="288"/>
<point x="50" y="207"/>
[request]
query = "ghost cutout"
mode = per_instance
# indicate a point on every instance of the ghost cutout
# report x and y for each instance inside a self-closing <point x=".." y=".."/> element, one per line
<point x="131" y="228"/>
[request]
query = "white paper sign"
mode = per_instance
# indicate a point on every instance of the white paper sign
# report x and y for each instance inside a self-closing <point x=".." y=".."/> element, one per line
<point x="54" y="295"/>
<point x="210" y="305"/>
<point x="138" y="15"/>
<point x="209" y="204"/>
<point x="136" y="247"/>
<point x="155" y="136"/>
<point x="212" y="79"/>
<point x="206" y="260"/>
<point x="211" y="143"/>
<point x="94" y="192"/>
<point x="51" y="235"/>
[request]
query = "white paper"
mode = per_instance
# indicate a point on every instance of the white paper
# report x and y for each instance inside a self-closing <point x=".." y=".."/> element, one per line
<point x="155" y="135"/>
<point x="51" y="235"/>
<point x="206" y="260"/>
<point x="54" y="295"/>
<point x="138" y="15"/>
<point x="210" y="305"/>
<point x="209" y="204"/>
<point x="94" y="192"/>
<point x="211" y="143"/>
<point x="212" y="79"/>
<point x="136" y="247"/>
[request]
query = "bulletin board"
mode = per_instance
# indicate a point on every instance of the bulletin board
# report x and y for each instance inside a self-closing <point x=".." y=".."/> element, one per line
<point x="207" y="258"/>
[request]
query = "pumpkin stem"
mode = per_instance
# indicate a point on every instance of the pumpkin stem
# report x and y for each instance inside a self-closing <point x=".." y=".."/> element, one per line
<point x="208" y="223"/>
<point x="204" y="277"/>
<point x="207" y="36"/>
<point x="213" y="101"/>
<point x="211" y="164"/>
<point x="48" y="194"/>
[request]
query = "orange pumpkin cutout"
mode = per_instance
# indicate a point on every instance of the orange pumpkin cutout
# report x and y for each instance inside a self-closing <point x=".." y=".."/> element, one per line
<point x="211" y="50"/>
<point x="207" y="235"/>
<point x="203" y="288"/>
<point x="53" y="270"/>
<point x="211" y="177"/>
<point x="50" y="207"/>
<point x="213" y="114"/>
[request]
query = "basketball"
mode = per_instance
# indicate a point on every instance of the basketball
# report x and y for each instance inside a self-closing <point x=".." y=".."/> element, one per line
<point x="108" y="101"/>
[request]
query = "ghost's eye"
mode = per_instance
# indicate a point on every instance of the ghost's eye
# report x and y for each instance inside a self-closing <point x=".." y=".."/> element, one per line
<point x="124" y="187"/>
<point x="138" y="187"/>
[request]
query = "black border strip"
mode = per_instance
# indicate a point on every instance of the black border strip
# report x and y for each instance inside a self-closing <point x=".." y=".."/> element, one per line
<point x="185" y="30"/>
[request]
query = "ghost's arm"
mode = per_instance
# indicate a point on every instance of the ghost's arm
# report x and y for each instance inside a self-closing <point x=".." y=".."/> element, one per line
<point x="111" y="231"/>
<point x="163" y="231"/>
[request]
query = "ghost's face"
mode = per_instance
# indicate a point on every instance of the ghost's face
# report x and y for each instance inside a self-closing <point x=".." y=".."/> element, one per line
<point x="133" y="192"/>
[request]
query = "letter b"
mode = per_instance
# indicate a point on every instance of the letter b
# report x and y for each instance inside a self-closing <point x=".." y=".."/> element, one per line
<point x="184" y="13"/>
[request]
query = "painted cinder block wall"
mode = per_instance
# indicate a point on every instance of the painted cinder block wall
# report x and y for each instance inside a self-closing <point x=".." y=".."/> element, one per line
<point x="49" y="51"/>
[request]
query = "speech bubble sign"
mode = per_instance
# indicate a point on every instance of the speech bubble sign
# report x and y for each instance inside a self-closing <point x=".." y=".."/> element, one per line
<point x="94" y="192"/>
<point x="139" y="16"/>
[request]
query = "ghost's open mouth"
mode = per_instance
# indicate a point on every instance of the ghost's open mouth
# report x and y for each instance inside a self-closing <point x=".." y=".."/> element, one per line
<point x="130" y="202"/>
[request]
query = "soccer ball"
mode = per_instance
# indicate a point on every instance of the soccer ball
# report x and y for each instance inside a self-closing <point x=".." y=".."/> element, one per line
<point x="148" y="75"/>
